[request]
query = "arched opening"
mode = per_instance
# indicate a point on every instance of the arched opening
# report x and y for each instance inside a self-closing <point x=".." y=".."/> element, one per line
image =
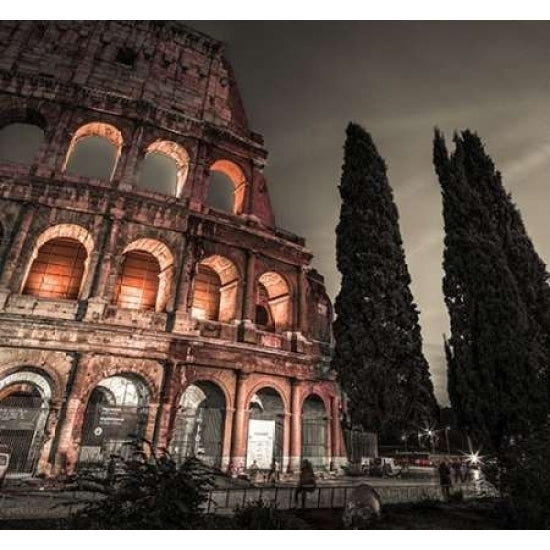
<point x="115" y="418"/>
<point x="138" y="282"/>
<point x="215" y="289"/>
<point x="265" y="429"/>
<point x="226" y="187"/>
<point x="94" y="151"/>
<point x="57" y="270"/>
<point x="198" y="427"/>
<point x="20" y="142"/>
<point x="319" y="317"/>
<point x="264" y="319"/>
<point x="273" y="303"/>
<point x="164" y="168"/>
<point x="314" y="431"/>
<point x="24" y="407"/>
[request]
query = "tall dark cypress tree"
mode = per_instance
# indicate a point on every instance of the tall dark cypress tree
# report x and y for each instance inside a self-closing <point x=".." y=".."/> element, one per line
<point x="493" y="357"/>
<point x="378" y="354"/>
<point x="525" y="264"/>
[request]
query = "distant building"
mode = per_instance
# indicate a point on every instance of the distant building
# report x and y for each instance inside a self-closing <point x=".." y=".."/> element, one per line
<point x="144" y="286"/>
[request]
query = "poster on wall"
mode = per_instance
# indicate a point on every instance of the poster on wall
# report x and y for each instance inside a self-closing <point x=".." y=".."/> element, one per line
<point x="261" y="437"/>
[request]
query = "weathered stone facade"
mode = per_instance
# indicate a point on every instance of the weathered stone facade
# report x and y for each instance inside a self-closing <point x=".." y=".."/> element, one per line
<point x="143" y="88"/>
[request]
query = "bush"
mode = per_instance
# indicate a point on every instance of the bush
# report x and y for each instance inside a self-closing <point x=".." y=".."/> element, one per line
<point x="149" y="493"/>
<point x="526" y="482"/>
<point x="261" y="515"/>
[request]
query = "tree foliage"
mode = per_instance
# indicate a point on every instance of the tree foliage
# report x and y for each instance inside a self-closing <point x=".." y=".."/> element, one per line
<point x="494" y="354"/>
<point x="150" y="492"/>
<point x="378" y="354"/>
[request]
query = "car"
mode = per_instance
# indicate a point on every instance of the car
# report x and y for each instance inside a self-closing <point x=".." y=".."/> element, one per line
<point x="4" y="463"/>
<point x="379" y="466"/>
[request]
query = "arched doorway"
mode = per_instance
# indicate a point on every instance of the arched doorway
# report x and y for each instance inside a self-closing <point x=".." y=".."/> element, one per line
<point x="116" y="417"/>
<point x="24" y="408"/>
<point x="314" y="431"/>
<point x="198" y="427"/>
<point x="265" y="429"/>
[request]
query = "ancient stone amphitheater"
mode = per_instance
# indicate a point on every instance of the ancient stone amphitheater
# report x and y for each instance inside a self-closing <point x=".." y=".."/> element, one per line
<point x="145" y="289"/>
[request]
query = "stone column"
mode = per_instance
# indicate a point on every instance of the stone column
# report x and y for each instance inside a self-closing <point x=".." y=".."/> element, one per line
<point x="295" y="426"/>
<point x="20" y="238"/>
<point x="239" y="431"/>
<point x="302" y="302"/>
<point x="182" y="318"/>
<point x="249" y="298"/>
<point x="127" y="164"/>
<point x="336" y="431"/>
<point x="285" y="466"/>
<point x="226" y="441"/>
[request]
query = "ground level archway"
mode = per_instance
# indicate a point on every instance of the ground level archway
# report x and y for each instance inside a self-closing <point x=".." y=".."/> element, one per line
<point x="314" y="431"/>
<point x="24" y="408"/>
<point x="199" y="422"/>
<point x="115" y="418"/>
<point x="265" y="429"/>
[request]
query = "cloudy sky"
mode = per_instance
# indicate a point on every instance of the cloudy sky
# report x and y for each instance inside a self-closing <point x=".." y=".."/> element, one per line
<point x="302" y="82"/>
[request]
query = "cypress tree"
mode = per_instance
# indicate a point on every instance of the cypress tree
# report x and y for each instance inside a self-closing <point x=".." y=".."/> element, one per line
<point x="378" y="354"/>
<point x="525" y="264"/>
<point x="493" y="358"/>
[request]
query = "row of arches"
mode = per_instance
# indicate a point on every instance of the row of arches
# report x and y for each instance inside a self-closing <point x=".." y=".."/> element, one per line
<point x="118" y="410"/>
<point x="60" y="263"/>
<point x="95" y="151"/>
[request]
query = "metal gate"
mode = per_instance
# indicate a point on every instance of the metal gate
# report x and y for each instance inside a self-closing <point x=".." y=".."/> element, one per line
<point x="110" y="430"/>
<point x="22" y="432"/>
<point x="198" y="433"/>
<point x="314" y="440"/>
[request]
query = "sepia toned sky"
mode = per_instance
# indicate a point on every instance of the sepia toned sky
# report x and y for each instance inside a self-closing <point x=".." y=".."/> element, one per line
<point x="302" y="82"/>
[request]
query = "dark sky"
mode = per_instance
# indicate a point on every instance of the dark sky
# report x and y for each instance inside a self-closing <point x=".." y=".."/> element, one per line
<point x="302" y="82"/>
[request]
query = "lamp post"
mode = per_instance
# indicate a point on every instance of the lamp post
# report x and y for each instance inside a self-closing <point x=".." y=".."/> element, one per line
<point x="447" y="428"/>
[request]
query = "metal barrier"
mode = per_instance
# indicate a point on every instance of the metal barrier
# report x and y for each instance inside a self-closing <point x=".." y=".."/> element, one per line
<point x="328" y="496"/>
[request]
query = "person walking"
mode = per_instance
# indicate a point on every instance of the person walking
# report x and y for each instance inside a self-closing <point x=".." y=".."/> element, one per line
<point x="306" y="483"/>
<point x="445" y="479"/>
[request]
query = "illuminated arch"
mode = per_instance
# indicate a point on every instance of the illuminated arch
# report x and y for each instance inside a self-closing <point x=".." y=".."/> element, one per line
<point x="215" y="289"/>
<point x="139" y="275"/>
<point x="73" y="265"/>
<point x="180" y="158"/>
<point x="236" y="177"/>
<point x="79" y="152"/>
<point x="273" y="294"/>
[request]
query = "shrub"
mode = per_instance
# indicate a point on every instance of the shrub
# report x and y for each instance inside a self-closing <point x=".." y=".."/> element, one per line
<point x="149" y="493"/>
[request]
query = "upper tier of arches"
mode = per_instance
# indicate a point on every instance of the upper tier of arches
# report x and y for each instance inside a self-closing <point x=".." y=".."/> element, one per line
<point x="99" y="151"/>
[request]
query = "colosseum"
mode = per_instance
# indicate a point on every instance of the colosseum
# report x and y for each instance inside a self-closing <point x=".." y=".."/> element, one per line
<point x="145" y="289"/>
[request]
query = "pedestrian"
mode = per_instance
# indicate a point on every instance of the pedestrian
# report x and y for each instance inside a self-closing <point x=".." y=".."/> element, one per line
<point x="464" y="473"/>
<point x="445" y="479"/>
<point x="456" y="470"/>
<point x="306" y="483"/>
<point x="273" y="475"/>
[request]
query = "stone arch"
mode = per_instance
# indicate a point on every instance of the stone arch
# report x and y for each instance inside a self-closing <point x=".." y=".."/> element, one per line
<point x="275" y="385"/>
<point x="215" y="289"/>
<point x="235" y="175"/>
<point x="315" y="413"/>
<point x="65" y="234"/>
<point x="116" y="414"/>
<point x="79" y="155"/>
<point x="266" y="416"/>
<point x="273" y="293"/>
<point x="29" y="391"/>
<point x="22" y="137"/>
<point x="199" y="422"/>
<point x="164" y="275"/>
<point x="180" y="159"/>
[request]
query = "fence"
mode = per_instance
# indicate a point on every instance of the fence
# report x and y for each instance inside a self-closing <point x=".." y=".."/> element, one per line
<point x="335" y="496"/>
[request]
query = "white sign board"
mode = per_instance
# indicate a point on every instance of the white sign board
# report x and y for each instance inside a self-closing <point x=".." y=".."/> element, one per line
<point x="261" y="437"/>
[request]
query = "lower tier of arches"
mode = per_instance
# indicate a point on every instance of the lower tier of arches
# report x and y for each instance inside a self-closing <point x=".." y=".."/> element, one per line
<point x="62" y="411"/>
